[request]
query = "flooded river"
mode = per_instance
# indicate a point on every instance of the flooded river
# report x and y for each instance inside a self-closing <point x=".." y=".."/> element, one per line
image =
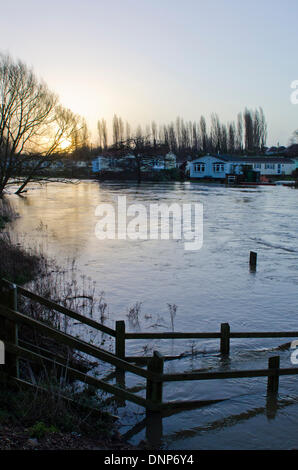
<point x="209" y="286"/>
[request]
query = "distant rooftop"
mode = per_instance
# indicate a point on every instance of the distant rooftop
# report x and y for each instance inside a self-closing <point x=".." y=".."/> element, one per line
<point x="248" y="159"/>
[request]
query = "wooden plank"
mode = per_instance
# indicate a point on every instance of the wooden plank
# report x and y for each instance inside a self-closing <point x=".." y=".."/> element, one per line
<point x="75" y="343"/>
<point x="265" y="334"/>
<point x="74" y="373"/>
<point x="185" y="335"/>
<point x="64" y="310"/>
<point x="171" y="335"/>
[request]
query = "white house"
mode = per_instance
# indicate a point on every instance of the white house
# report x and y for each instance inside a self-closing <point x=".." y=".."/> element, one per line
<point x="218" y="166"/>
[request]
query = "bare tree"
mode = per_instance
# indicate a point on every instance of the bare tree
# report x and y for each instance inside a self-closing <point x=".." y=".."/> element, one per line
<point x="239" y="136"/>
<point x="263" y="128"/>
<point x="33" y="126"/>
<point x="215" y="133"/>
<point x="224" y="139"/>
<point x="121" y="129"/>
<point x="204" y="135"/>
<point x="127" y="130"/>
<point x="231" y="137"/>
<point x="116" y="130"/>
<point x="248" y="129"/>
<point x="154" y="133"/>
<point x="99" y="130"/>
<point x="172" y="138"/>
<point x="102" y="133"/>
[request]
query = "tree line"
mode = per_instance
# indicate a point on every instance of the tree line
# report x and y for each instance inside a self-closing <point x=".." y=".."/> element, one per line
<point x="247" y="134"/>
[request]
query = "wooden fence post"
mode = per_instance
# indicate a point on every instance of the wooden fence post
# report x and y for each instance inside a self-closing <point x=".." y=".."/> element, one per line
<point x="273" y="380"/>
<point x="253" y="260"/>
<point x="154" y="388"/>
<point x="225" y="338"/>
<point x="120" y="339"/>
<point x="2" y="325"/>
<point x="120" y="352"/>
<point x="11" y="332"/>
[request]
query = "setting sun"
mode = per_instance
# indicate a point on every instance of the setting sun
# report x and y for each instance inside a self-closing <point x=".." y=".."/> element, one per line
<point x="65" y="144"/>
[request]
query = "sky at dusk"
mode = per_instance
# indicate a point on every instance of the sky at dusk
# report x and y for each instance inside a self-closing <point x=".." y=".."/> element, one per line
<point x="156" y="59"/>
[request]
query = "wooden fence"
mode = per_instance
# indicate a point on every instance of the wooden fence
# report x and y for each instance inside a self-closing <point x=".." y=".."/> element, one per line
<point x="11" y="318"/>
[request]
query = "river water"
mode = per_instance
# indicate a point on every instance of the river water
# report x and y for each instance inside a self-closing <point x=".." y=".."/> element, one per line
<point x="209" y="286"/>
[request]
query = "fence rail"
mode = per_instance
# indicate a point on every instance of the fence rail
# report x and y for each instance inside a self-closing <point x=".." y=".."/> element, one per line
<point x="11" y="318"/>
<point x="59" y="308"/>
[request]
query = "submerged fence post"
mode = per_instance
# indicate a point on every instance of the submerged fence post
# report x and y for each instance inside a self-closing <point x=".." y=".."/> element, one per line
<point x="154" y="388"/>
<point x="154" y="429"/>
<point x="225" y="338"/>
<point x="273" y="380"/>
<point x="120" y="339"/>
<point x="253" y="260"/>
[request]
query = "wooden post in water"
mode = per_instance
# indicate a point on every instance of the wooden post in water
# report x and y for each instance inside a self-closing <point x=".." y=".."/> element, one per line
<point x="154" y="388"/>
<point x="120" y="339"/>
<point x="225" y="338"/>
<point x="253" y="260"/>
<point x="273" y="380"/>
<point x="271" y="405"/>
<point x="154" y="430"/>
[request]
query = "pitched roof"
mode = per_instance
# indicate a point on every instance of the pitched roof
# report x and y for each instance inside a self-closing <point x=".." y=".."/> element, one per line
<point x="247" y="160"/>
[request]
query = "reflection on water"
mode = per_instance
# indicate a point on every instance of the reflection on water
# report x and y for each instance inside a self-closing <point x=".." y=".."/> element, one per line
<point x="210" y="286"/>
